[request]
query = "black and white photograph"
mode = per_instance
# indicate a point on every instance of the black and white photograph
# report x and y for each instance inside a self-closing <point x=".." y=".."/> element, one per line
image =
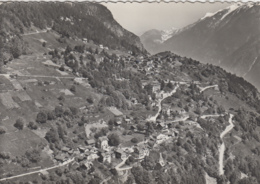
<point x="129" y="92"/>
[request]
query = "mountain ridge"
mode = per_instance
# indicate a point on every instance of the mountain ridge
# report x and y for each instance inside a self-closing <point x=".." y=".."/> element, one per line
<point x="85" y="20"/>
<point x="228" y="38"/>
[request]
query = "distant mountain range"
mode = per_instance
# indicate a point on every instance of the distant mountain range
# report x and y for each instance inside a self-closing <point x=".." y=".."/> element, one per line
<point x="92" y="21"/>
<point x="229" y="38"/>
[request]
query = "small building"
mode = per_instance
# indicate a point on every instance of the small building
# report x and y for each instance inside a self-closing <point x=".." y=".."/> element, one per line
<point x="60" y="158"/>
<point x="90" y="142"/>
<point x="92" y="156"/>
<point x="128" y="121"/>
<point x="65" y="149"/>
<point x="103" y="142"/>
<point x="156" y="86"/>
<point x="105" y="157"/>
<point x="115" y="112"/>
<point x="87" y="165"/>
<point x="119" y="153"/>
<point x="161" y="138"/>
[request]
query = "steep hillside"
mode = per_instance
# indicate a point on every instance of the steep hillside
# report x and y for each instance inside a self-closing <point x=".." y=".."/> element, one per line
<point x="228" y="38"/>
<point x="56" y="110"/>
<point x="80" y="20"/>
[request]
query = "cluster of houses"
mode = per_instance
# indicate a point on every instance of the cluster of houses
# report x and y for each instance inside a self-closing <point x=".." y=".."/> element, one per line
<point x="99" y="149"/>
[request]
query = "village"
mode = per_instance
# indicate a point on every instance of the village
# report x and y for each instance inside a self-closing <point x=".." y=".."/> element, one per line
<point x="118" y="139"/>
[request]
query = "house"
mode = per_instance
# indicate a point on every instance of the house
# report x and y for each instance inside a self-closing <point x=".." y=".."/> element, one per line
<point x="103" y="142"/>
<point x="161" y="138"/>
<point x="156" y="86"/>
<point x="60" y="157"/>
<point x="134" y="100"/>
<point x="142" y="151"/>
<point x="81" y="157"/>
<point x="81" y="149"/>
<point x="118" y="122"/>
<point x="128" y="121"/>
<point x="87" y="165"/>
<point x="92" y="156"/>
<point x="133" y="127"/>
<point x="75" y="165"/>
<point x="90" y="142"/>
<point x="128" y="149"/>
<point x="115" y="112"/>
<point x="105" y="157"/>
<point x="65" y="149"/>
<point x="119" y="153"/>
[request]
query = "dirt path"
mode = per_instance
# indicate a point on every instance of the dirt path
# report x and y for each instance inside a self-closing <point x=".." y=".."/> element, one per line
<point x="122" y="163"/>
<point x="37" y="32"/>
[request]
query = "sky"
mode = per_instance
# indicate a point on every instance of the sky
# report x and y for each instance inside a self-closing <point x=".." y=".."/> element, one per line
<point x="141" y="17"/>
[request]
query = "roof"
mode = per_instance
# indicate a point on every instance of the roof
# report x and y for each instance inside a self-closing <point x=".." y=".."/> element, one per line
<point x="120" y="151"/>
<point x="115" y="111"/>
<point x="91" y="141"/>
<point x="65" y="148"/>
<point x="60" y="157"/>
<point x="103" y="138"/>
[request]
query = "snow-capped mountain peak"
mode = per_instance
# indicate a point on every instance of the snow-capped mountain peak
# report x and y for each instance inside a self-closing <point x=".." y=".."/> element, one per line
<point x="166" y="34"/>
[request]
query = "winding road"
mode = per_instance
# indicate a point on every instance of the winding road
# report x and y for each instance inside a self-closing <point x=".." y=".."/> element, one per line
<point x="222" y="147"/>
<point x="165" y="95"/>
<point x="203" y="89"/>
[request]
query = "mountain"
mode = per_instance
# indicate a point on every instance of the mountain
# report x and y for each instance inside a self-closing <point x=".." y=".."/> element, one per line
<point x="229" y="38"/>
<point x="154" y="38"/>
<point x="80" y="20"/>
